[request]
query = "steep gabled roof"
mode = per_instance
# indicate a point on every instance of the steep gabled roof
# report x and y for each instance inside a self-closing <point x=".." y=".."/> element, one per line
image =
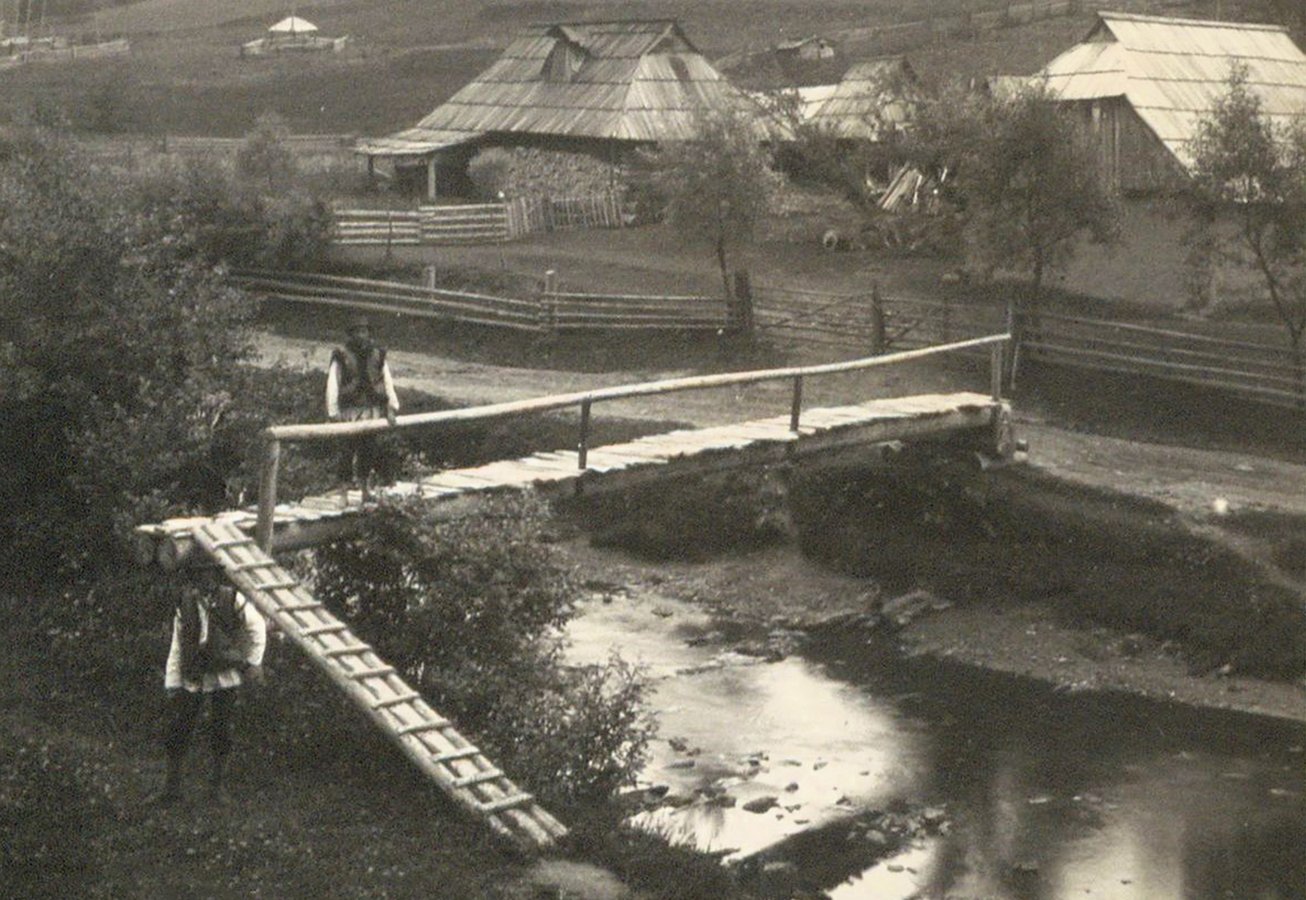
<point x="1173" y="71"/>
<point x="872" y="99"/>
<point x="634" y="80"/>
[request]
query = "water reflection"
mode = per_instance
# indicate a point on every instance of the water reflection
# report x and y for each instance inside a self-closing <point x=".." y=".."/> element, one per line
<point x="1049" y="796"/>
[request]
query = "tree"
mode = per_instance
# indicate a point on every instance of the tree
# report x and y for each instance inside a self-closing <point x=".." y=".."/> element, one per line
<point x="1245" y="167"/>
<point x="1027" y="182"/>
<point x="264" y="155"/>
<point x="718" y="186"/>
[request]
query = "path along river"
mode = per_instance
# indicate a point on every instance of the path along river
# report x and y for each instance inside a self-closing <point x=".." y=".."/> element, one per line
<point x="1046" y="794"/>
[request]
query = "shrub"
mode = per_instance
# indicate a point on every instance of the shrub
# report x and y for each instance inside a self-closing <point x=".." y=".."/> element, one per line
<point x="264" y="156"/>
<point x="470" y="611"/>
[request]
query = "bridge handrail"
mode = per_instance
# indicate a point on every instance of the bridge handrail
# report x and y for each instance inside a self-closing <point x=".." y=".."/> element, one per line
<point x="275" y="435"/>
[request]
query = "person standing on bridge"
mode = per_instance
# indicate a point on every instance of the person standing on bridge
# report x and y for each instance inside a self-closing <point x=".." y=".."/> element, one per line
<point x="359" y="387"/>
<point x="218" y="638"/>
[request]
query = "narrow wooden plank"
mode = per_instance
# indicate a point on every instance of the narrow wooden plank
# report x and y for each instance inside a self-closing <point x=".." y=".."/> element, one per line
<point x="407" y="697"/>
<point x="467" y="781"/>
<point x="452" y="755"/>
<point x="419" y="727"/>
<point x="328" y="628"/>
<point x="511" y="802"/>
<point x="351" y="650"/>
<point x="372" y="672"/>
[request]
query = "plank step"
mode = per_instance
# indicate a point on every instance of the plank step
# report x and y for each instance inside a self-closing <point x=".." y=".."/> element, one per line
<point x="299" y="607"/>
<point x="284" y="584"/>
<point x="234" y="542"/>
<point x="346" y="651"/>
<point x="419" y="727"/>
<point x="498" y="806"/>
<point x="464" y="753"/>
<point x="467" y="781"/>
<point x="395" y="701"/>
<point x="372" y="672"/>
<point x="248" y="566"/>
<point x="329" y="628"/>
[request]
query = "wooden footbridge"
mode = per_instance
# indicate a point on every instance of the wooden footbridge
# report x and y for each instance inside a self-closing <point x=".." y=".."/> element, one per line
<point x="242" y="542"/>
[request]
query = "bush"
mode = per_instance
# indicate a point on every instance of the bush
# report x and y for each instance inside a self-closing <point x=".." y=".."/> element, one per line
<point x="470" y="610"/>
<point x="264" y="155"/>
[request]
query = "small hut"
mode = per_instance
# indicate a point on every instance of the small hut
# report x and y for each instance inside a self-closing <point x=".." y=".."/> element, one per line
<point x="294" y="35"/>
<point x="874" y="101"/>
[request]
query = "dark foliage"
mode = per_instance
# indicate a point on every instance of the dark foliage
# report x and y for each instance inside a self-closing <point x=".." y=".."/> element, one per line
<point x="469" y="609"/>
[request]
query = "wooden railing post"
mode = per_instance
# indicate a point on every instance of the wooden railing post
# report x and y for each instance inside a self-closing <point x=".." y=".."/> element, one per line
<point x="582" y="454"/>
<point x="267" y="493"/>
<point x="796" y="408"/>
<point x="997" y="364"/>
<point x="547" y="318"/>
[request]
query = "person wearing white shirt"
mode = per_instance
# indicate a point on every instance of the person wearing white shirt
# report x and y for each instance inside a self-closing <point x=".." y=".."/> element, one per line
<point x="218" y="639"/>
<point x="359" y="386"/>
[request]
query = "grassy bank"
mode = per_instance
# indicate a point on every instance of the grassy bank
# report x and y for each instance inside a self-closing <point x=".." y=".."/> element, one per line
<point x="1094" y="557"/>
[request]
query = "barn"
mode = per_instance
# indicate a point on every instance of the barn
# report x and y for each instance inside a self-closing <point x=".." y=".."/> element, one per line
<point x="597" y="88"/>
<point x="1143" y="84"/>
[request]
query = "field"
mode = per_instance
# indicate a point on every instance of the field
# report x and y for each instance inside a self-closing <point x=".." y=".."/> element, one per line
<point x="406" y="56"/>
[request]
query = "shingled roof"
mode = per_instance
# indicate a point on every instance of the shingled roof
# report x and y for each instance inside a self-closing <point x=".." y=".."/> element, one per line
<point x="872" y="99"/>
<point x="1173" y="71"/>
<point x="632" y="80"/>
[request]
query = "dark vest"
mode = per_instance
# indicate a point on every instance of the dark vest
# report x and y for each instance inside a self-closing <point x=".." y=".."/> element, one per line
<point x="362" y="379"/>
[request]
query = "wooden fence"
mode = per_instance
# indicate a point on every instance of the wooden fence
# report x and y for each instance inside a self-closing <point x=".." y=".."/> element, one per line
<point x="547" y="311"/>
<point x="477" y="223"/>
<point x="870" y="322"/>
<point x="1258" y="371"/>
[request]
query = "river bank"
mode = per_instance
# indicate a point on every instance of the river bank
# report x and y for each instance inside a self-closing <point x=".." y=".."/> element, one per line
<point x="764" y="596"/>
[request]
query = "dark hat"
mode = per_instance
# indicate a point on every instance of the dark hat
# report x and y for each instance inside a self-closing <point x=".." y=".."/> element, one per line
<point x="358" y="322"/>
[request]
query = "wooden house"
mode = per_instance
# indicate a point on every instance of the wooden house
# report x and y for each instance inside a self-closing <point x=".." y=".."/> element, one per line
<point x="601" y="88"/>
<point x="1143" y="85"/>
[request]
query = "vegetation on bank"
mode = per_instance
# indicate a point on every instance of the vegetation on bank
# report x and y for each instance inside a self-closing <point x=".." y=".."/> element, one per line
<point x="933" y="523"/>
<point x="125" y="398"/>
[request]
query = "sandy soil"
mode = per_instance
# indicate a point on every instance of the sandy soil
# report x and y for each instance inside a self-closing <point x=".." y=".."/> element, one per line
<point x="1204" y="486"/>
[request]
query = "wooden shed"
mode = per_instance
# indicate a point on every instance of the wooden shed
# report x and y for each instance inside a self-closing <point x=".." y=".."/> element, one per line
<point x="602" y="88"/>
<point x="873" y="101"/>
<point x="1143" y="85"/>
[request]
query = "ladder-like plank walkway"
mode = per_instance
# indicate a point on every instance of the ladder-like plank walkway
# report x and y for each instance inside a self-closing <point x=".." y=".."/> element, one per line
<point x="315" y="520"/>
<point x="429" y="740"/>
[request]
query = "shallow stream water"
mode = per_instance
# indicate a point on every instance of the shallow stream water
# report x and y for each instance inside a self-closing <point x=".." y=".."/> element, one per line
<point x="1046" y="794"/>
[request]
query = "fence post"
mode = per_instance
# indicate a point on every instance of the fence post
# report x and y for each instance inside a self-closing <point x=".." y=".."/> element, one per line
<point x="389" y="231"/>
<point x="548" y="320"/>
<point x="267" y="494"/>
<point x="796" y="407"/>
<point x="997" y="360"/>
<point x="429" y="276"/>
<point x="740" y="312"/>
<point x="877" y="321"/>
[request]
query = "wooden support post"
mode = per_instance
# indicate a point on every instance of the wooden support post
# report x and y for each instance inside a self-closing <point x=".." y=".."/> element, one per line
<point x="997" y="362"/>
<point x="267" y="493"/>
<point x="430" y="178"/>
<point x="877" y="321"/>
<point x="796" y="408"/>
<point x="371" y="169"/>
<point x="582" y="449"/>
<point x="548" y="321"/>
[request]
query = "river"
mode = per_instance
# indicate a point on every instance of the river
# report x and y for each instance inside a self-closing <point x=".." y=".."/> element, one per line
<point x="1040" y="794"/>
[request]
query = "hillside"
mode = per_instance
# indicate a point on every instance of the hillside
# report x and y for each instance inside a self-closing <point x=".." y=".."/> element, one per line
<point x="406" y="56"/>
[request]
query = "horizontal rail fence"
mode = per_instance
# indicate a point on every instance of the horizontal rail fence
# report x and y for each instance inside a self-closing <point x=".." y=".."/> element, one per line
<point x="868" y="321"/>
<point x="368" y="295"/>
<point x="476" y="223"/>
<point x="570" y="311"/>
<point x="1260" y="371"/>
<point x="377" y="227"/>
<point x="549" y="311"/>
<point x="276" y="435"/>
